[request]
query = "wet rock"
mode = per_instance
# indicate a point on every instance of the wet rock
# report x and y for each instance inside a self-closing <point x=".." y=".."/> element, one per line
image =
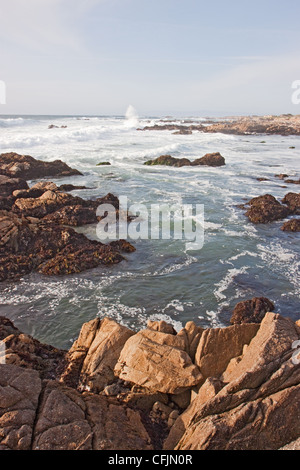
<point x="256" y="407"/>
<point x="28" y="244"/>
<point x="266" y="208"/>
<point x="19" y="394"/>
<point x="251" y="311"/>
<point x="28" y="168"/>
<point x="292" y="225"/>
<point x="103" y="163"/>
<point x="70" y="187"/>
<point x="292" y="200"/>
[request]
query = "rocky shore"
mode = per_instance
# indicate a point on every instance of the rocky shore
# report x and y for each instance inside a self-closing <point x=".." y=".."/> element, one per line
<point x="36" y="223"/>
<point x="234" y="388"/>
<point x="285" y="124"/>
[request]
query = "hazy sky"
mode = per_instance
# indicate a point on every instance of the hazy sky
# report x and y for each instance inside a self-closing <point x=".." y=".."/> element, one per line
<point x="190" y="57"/>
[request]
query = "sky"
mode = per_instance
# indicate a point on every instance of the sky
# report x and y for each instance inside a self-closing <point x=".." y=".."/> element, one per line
<point x="164" y="57"/>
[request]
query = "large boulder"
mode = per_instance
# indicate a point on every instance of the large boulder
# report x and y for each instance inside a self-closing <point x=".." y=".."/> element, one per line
<point x="158" y="362"/>
<point x="218" y="346"/>
<point x="19" y="396"/>
<point x="98" y="349"/>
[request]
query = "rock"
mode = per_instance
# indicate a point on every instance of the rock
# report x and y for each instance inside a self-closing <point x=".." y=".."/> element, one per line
<point x="207" y="391"/>
<point x="19" y="395"/>
<point x="219" y="345"/>
<point x="282" y="176"/>
<point x="255" y="407"/>
<point x="28" y="168"/>
<point x="182" y="399"/>
<point x="70" y="187"/>
<point x="45" y="186"/>
<point x="292" y="225"/>
<point x="27" y="244"/>
<point x="143" y="399"/>
<point x="163" y="410"/>
<point x="210" y="159"/>
<point x="157" y="361"/>
<point x="9" y="185"/>
<point x="292" y="181"/>
<point x="98" y="366"/>
<point x="266" y="208"/>
<point x="24" y="351"/>
<point x="169" y="161"/>
<point x="292" y="200"/>
<point x="251" y="311"/>
<point x="115" y="426"/>
<point x="103" y="163"/>
<point x="161" y="326"/>
<point x="191" y="334"/>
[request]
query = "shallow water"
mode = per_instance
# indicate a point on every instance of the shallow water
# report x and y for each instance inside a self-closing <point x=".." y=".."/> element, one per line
<point x="162" y="279"/>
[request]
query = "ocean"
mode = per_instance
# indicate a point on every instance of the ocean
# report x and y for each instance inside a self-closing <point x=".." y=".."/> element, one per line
<point x="162" y="280"/>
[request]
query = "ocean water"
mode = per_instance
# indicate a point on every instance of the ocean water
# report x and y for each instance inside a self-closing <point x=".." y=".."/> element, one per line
<point x="162" y="279"/>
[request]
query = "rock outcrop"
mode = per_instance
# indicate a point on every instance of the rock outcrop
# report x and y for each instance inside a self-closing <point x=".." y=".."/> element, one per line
<point x="120" y="390"/>
<point x="28" y="168"/>
<point x="285" y="124"/>
<point x="210" y="159"/>
<point x="35" y="223"/>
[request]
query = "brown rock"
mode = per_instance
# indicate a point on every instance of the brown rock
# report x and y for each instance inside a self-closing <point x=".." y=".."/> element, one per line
<point x="264" y="209"/>
<point x="210" y="159"/>
<point x="28" y="168"/>
<point x="218" y="346"/>
<point x="24" y="351"/>
<point x="61" y="422"/>
<point x="257" y="409"/>
<point x="191" y="334"/>
<point x="161" y="326"/>
<point x="292" y="200"/>
<point x="9" y="185"/>
<point x="157" y="361"/>
<point x="292" y="225"/>
<point x="98" y="367"/>
<point x="251" y="311"/>
<point x="19" y="394"/>
<point x="207" y="391"/>
<point x="115" y="427"/>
